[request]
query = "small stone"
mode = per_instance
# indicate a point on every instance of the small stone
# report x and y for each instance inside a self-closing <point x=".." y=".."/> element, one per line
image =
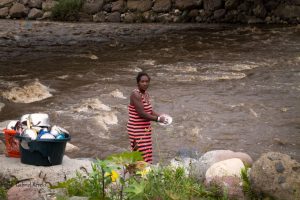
<point x="279" y="167"/>
<point x="284" y="109"/>
<point x="94" y="57"/>
<point x="279" y="141"/>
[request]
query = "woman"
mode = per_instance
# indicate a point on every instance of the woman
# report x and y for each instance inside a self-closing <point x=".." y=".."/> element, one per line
<point x="140" y="117"/>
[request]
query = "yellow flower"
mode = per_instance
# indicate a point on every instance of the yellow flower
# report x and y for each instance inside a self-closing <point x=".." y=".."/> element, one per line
<point x="113" y="175"/>
<point x="144" y="172"/>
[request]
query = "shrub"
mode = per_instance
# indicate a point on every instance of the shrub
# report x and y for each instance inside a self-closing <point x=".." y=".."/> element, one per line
<point x="67" y="10"/>
<point x="126" y="177"/>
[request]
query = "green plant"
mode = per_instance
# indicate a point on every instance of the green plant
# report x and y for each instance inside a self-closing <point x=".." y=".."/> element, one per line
<point x="125" y="177"/>
<point x="167" y="183"/>
<point x="5" y="184"/>
<point x="247" y="184"/>
<point x="67" y="10"/>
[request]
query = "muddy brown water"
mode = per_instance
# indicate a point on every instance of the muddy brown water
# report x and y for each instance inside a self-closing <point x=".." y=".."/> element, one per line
<point x="226" y="86"/>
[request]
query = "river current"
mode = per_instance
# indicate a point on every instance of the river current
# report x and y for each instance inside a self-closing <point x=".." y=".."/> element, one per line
<point x="226" y="87"/>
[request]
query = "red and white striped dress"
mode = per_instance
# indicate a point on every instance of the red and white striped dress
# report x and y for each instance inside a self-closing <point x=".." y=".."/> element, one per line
<point x="139" y="130"/>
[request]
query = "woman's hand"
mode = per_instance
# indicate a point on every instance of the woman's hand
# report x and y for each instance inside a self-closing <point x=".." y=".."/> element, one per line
<point x="163" y="119"/>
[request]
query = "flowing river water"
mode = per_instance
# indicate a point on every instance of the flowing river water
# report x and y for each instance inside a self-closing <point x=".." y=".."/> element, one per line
<point x="226" y="87"/>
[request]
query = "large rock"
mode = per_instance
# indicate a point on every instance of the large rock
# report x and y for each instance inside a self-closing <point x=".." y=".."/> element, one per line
<point x="287" y="11"/>
<point x="35" y="13"/>
<point x="130" y="17"/>
<point x="227" y="176"/>
<point x="6" y="3"/>
<point x="118" y="5"/>
<point x="162" y="6"/>
<point x="17" y="11"/>
<point x="48" y="5"/>
<point x="114" y="17"/>
<point x="12" y="167"/>
<point x="71" y="148"/>
<point x="183" y="163"/>
<point x="218" y="14"/>
<point x="92" y="6"/>
<point x="25" y="191"/>
<point x="137" y="5"/>
<point x="212" y="5"/>
<point x="193" y="13"/>
<point x="200" y="167"/>
<point x="276" y="175"/>
<point x="231" y="4"/>
<point x="99" y="17"/>
<point x="230" y="185"/>
<point x="185" y="4"/>
<point x="230" y="167"/>
<point x="3" y="13"/>
<point x="47" y="15"/>
<point x="35" y="3"/>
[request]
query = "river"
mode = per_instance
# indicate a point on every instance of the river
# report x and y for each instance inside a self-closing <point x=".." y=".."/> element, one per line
<point x="226" y="86"/>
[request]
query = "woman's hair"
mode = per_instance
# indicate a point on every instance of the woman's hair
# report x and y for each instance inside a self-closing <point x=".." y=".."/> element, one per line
<point x="139" y="76"/>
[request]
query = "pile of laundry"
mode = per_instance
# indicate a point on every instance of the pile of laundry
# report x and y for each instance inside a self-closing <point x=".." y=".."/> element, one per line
<point x="36" y="126"/>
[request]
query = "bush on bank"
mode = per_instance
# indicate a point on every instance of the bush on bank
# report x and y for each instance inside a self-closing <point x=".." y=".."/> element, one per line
<point x="67" y="10"/>
<point x="126" y="176"/>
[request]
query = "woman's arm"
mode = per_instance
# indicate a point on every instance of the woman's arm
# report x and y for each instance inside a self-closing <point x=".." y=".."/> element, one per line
<point x="136" y="101"/>
<point x="155" y="114"/>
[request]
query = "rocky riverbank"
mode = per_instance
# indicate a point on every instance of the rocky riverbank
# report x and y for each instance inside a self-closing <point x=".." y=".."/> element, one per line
<point x="273" y="175"/>
<point x="165" y="11"/>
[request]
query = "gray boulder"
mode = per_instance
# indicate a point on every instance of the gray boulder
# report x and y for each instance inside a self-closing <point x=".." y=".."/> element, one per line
<point x="92" y="6"/>
<point x="129" y="17"/>
<point x="12" y="167"/>
<point x="24" y="191"/>
<point x="17" y="11"/>
<point x="193" y="13"/>
<point x="118" y="5"/>
<point x="99" y="17"/>
<point x="200" y="167"/>
<point x="230" y="185"/>
<point x="47" y="15"/>
<point x="3" y="14"/>
<point x="35" y="3"/>
<point x="6" y="3"/>
<point x="276" y="175"/>
<point x="35" y="13"/>
<point x="183" y="163"/>
<point x="231" y="4"/>
<point x="107" y="7"/>
<point x="48" y="5"/>
<point x="185" y="4"/>
<point x="150" y="16"/>
<point x="218" y="14"/>
<point x="287" y="11"/>
<point x="162" y="5"/>
<point x="114" y="17"/>
<point x="254" y="20"/>
<point x="212" y="5"/>
<point x="136" y="5"/>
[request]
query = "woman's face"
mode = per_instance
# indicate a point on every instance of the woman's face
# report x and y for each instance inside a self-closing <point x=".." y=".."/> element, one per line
<point x="144" y="83"/>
